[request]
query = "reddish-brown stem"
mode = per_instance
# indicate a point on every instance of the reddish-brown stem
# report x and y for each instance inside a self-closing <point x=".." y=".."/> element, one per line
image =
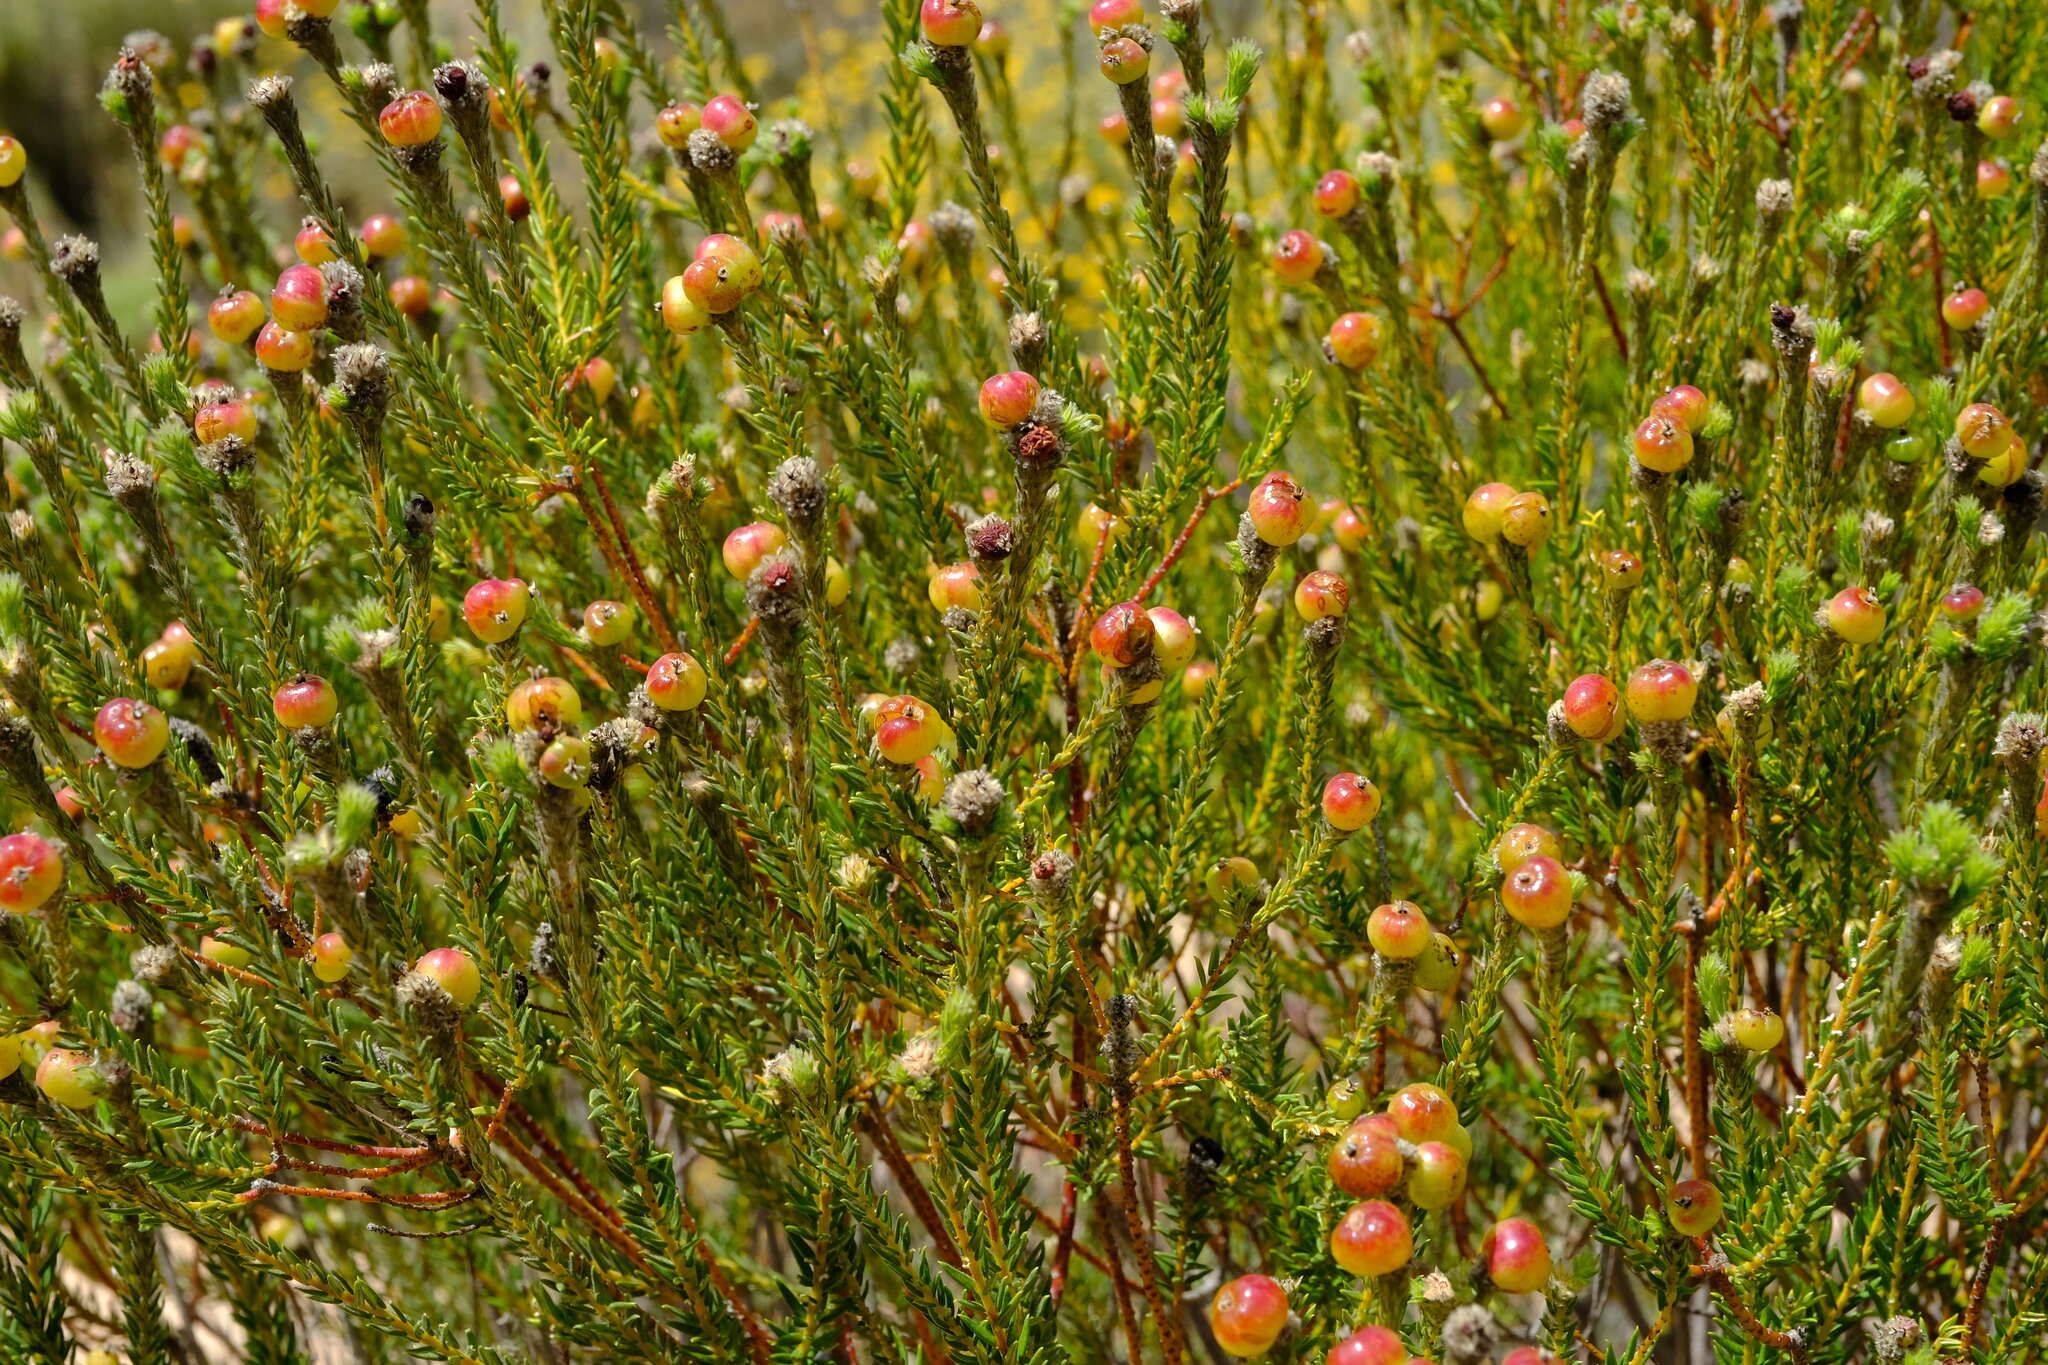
<point x="876" y="1126"/>
<point x="746" y="637"/>
<point x="637" y="574"/>
<point x="1180" y="542"/>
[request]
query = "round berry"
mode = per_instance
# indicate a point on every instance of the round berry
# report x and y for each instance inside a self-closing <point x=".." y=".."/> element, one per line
<point x="674" y="124"/>
<point x="68" y="1077"/>
<point x="225" y="952"/>
<point x="1367" y="1160"/>
<point x="1620" y="570"/>
<point x="1114" y="129"/>
<point x="993" y="41"/>
<point x="680" y="313"/>
<point x="1593" y="709"/>
<point x="1399" y="931"/>
<point x="1336" y="194"/>
<point x="1517" y="844"/>
<point x="1350" y="802"/>
<point x="956" y="585"/>
<point x="1983" y="431"/>
<point x="607" y="623"/>
<point x="1248" y="1314"/>
<point x="1106" y="14"/>
<point x="313" y="245"/>
<point x="1096" y="522"/>
<point x="167" y="660"/>
<point x="1170" y="117"/>
<point x="308" y="700"/>
<point x="512" y="197"/>
<point x="1962" y="602"/>
<point x="1124" y="61"/>
<point x="1502" y="119"/>
<point x="543" y="701"/>
<point x="1516" y="1255"/>
<point x="1122" y="635"/>
<point x="13" y="161"/>
<point x="1279" y="510"/>
<point x="283" y="350"/>
<point x="495" y="608"/>
<point x="1350" y="529"/>
<point x="1321" y="595"/>
<point x="1484" y="507"/>
<point x="727" y="118"/>
<point x="218" y="421"/>
<point x="566" y="762"/>
<point x="1538" y="894"/>
<point x="454" y="972"/>
<point x="1437" y="968"/>
<point x="1965" y="308"/>
<point x="1354" y="340"/>
<point x="1994" y="179"/>
<point x="1007" y="399"/>
<point x="233" y="318"/>
<point x="1684" y="405"/>
<point x="1422" y="1112"/>
<point x="132" y="734"/>
<point x="1998" y="118"/>
<point x="1756" y="1030"/>
<point x="1888" y="401"/>
<point x="1369" y="1346"/>
<point x="411" y="120"/>
<point x="748" y="546"/>
<point x="1372" y="1239"/>
<point x="2005" y="468"/>
<point x="1437" y="1176"/>
<point x="1298" y="258"/>
<point x="950" y="23"/>
<point x="382" y="235"/>
<point x="411" y="295"/>
<point x="1525" y="520"/>
<point x="1661" y="691"/>
<point x="31" y="870"/>
<point x="676" y="682"/>
<point x="1661" y="444"/>
<point x="1856" y="615"/>
<point x="907" y="730"/>
<point x="720" y="279"/>
<point x="330" y="957"/>
<point x="1228" y="878"/>
<point x="1694" y="1208"/>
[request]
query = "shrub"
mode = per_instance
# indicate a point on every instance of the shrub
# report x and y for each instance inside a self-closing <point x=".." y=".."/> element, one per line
<point x="1032" y="746"/>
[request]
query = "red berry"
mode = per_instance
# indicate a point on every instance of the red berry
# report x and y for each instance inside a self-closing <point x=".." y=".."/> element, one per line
<point x="1423" y="1113"/>
<point x="1538" y="894"/>
<point x="411" y="120"/>
<point x="1115" y="14"/>
<point x="1007" y="399"/>
<point x="1399" y="931"/>
<point x="1336" y="194"/>
<point x="1502" y="119"/>
<point x="543" y="701"/>
<point x="495" y="608"/>
<point x="1369" y="1346"/>
<point x="1994" y="179"/>
<point x="331" y="957"/>
<point x="452" y="970"/>
<point x="1516" y="1255"/>
<point x="1661" y="691"/>
<point x="1170" y="119"/>
<point x="1965" y="308"/>
<point x="218" y="421"/>
<point x="1983" y="431"/>
<point x="1115" y="129"/>
<point x="1694" y="1208"/>
<point x="1122" y="635"/>
<point x="1437" y="1177"/>
<point x="69" y="1078"/>
<point x="1367" y="1160"/>
<point x="1661" y="444"/>
<point x="1856" y="615"/>
<point x="1963" y="602"/>
<point x="907" y="730"/>
<point x="681" y="313"/>
<point x="1998" y="118"/>
<point x="306" y="701"/>
<point x="1685" y="405"/>
<point x="674" y="124"/>
<point x="1351" y="529"/>
<point x="993" y="41"/>
<point x="950" y="23"/>
<point x="513" y="197"/>
<point x="31" y="870"/>
<point x="1517" y="844"/>
<point x="283" y="350"/>
<point x="1173" y="638"/>
<point x="1298" y="258"/>
<point x="313" y="245"/>
<point x="1278" y="510"/>
<point x="676" y="682"/>
<point x="607" y="623"/>
<point x="234" y="318"/>
<point x="1354" y="340"/>
<point x="1888" y="401"/>
<point x="1483" y="508"/>
<point x="411" y="295"/>
<point x="1372" y="1239"/>
<point x="720" y="280"/>
<point x="1124" y="61"/>
<point x="1593" y="709"/>
<point x="177" y="143"/>
<point x="131" y="733"/>
<point x="1248" y="1314"/>
<point x="727" y="118"/>
<point x="746" y="547"/>
<point x="1321" y="594"/>
<point x="566" y="762"/>
<point x="382" y="235"/>
<point x="1350" y="802"/>
<point x="956" y="585"/>
<point x="1620" y="569"/>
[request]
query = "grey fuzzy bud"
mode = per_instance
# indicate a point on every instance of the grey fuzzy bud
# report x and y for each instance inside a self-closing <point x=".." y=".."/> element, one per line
<point x="363" y="374"/>
<point x="540" y="958"/>
<point x="991" y="539"/>
<point x="953" y="227"/>
<point x="1774" y="198"/>
<point x="131" y="1007"/>
<point x="76" y="259"/>
<point x="799" y="490"/>
<point x="270" y="93"/>
<point x="1893" y="1337"/>
<point x="775" y="593"/>
<point x="380" y="83"/>
<point x="708" y="154"/>
<point x="152" y="964"/>
<point x="902" y="655"/>
<point x="1052" y="872"/>
<point x="1469" y="1336"/>
<point x="974" y="799"/>
<point x="1605" y="100"/>
<point x="2021" y="737"/>
<point x="1027" y="340"/>
<point x="430" y="1006"/>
